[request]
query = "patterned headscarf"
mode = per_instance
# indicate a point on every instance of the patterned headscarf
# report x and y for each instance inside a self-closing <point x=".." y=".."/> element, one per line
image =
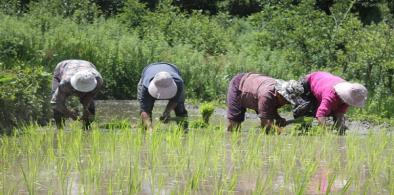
<point x="291" y="90"/>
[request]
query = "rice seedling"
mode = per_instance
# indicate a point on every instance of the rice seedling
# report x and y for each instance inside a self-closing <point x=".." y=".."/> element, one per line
<point x="206" y="110"/>
<point x="209" y="160"/>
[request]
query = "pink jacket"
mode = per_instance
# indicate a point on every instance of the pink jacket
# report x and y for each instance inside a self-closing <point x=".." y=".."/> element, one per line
<point x="322" y="87"/>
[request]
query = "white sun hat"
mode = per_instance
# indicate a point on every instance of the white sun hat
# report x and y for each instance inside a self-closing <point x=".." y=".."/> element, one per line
<point x="84" y="81"/>
<point x="353" y="94"/>
<point x="291" y="90"/>
<point x="162" y="86"/>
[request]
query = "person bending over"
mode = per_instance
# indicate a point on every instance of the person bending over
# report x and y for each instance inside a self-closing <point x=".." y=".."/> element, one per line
<point x="161" y="81"/>
<point x="264" y="95"/>
<point x="329" y="95"/>
<point x="75" y="78"/>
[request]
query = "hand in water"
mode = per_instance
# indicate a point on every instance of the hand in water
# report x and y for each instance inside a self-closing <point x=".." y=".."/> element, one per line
<point x="164" y="118"/>
<point x="87" y="116"/>
<point x="74" y="115"/>
<point x="342" y="129"/>
<point x="281" y="122"/>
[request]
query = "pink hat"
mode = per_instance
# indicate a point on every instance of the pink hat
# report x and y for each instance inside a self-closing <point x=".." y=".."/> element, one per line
<point x="353" y="94"/>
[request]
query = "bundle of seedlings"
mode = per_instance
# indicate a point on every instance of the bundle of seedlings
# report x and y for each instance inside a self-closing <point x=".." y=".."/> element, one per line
<point x="206" y="109"/>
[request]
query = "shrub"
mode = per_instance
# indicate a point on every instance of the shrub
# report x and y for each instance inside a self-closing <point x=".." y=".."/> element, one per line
<point x="286" y="40"/>
<point x="24" y="97"/>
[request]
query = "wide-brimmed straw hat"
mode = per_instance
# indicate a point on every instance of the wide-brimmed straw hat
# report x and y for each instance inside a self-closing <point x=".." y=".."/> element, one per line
<point x="353" y="94"/>
<point x="162" y="86"/>
<point x="291" y="90"/>
<point x="84" y="81"/>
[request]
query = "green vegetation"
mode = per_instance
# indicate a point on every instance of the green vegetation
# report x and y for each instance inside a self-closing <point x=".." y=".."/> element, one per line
<point x="304" y="126"/>
<point x="121" y="160"/>
<point x="210" y="41"/>
<point x="206" y="110"/>
<point x="24" y="97"/>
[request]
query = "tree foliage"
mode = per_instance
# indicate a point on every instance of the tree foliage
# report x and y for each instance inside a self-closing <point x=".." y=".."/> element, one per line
<point x="210" y="41"/>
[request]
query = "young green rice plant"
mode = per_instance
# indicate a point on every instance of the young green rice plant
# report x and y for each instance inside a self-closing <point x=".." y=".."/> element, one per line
<point x="198" y="123"/>
<point x="330" y="183"/>
<point x="198" y="160"/>
<point x="206" y="110"/>
<point x="255" y="145"/>
<point x="194" y="180"/>
<point x="110" y="189"/>
<point x="29" y="165"/>
<point x="206" y="161"/>
<point x="232" y="181"/>
<point x="116" y="125"/>
<point x="302" y="126"/>
<point x="63" y="169"/>
<point x="29" y="175"/>
<point x="154" y="143"/>
<point x="346" y="186"/>
<point x="134" y="177"/>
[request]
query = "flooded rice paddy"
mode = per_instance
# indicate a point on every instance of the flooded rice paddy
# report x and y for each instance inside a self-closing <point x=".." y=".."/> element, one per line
<point x="116" y="157"/>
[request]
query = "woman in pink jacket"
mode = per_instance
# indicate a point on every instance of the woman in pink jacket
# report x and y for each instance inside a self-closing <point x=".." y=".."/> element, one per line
<point x="333" y="95"/>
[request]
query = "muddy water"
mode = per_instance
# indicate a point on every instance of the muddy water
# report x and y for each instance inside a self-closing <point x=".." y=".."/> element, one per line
<point x="108" y="111"/>
<point x="129" y="109"/>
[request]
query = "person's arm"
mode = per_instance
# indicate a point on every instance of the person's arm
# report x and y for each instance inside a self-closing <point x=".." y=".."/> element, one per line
<point x="55" y="84"/>
<point x="323" y="111"/>
<point x="173" y="102"/>
<point x="268" y="124"/>
<point x="268" y="112"/>
<point x="269" y="116"/>
<point x="146" y="121"/>
<point x="146" y="106"/>
<point x="322" y="120"/>
<point x="58" y="102"/>
<point x="340" y="121"/>
<point x="281" y="122"/>
<point x="88" y="99"/>
<point x="166" y="114"/>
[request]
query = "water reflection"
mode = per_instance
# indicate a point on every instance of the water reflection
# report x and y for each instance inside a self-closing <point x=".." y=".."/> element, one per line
<point x="128" y="158"/>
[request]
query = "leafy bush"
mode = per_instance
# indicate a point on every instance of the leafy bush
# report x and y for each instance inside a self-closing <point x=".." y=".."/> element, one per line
<point x="286" y="40"/>
<point x="24" y="97"/>
<point x="200" y="31"/>
<point x="17" y="44"/>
